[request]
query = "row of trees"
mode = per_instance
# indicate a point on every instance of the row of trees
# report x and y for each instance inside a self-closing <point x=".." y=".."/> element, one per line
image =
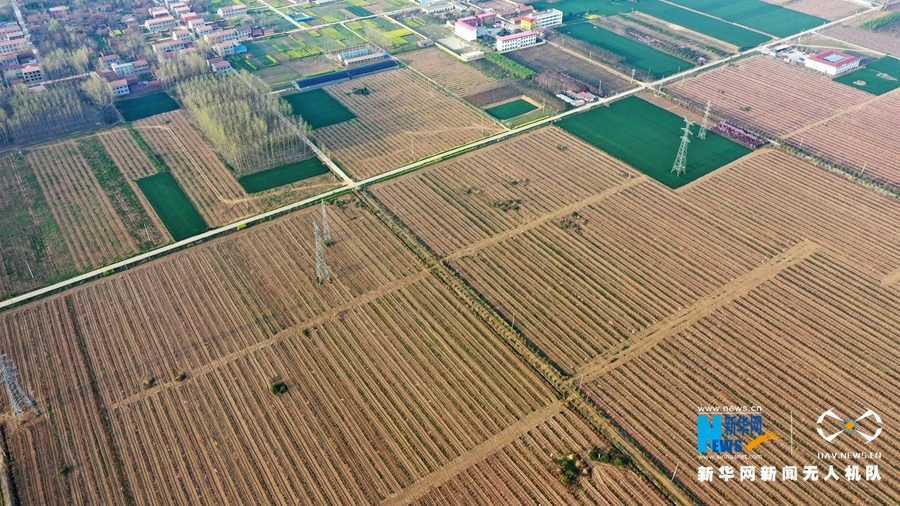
<point x="27" y="117"/>
<point x="62" y="63"/>
<point x="250" y="128"/>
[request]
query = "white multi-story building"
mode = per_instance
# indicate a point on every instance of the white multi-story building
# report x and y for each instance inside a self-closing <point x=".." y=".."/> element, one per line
<point x="539" y="20"/>
<point x="232" y="11"/>
<point x="516" y="41"/>
<point x="182" y="34"/>
<point x="119" y="87"/>
<point x="160" y="24"/>
<point x="122" y="69"/>
<point x="12" y="46"/>
<point x="832" y="62"/>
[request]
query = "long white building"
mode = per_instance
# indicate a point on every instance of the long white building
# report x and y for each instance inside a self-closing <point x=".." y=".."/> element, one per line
<point x="516" y="41"/>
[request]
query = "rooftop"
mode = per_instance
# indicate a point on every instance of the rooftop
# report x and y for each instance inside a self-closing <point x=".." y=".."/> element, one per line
<point x="517" y="35"/>
<point x="834" y="58"/>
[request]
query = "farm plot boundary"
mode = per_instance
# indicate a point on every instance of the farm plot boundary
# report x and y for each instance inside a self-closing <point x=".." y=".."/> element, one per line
<point x="174" y="208"/>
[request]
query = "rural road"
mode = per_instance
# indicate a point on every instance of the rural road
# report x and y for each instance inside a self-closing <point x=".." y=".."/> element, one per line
<point x="350" y="184"/>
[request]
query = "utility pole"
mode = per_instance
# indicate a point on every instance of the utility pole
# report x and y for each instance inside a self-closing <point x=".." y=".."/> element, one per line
<point x="681" y="158"/>
<point x="326" y="228"/>
<point x="322" y="274"/>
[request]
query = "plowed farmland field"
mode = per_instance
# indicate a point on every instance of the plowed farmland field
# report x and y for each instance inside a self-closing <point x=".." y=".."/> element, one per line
<point x="402" y="119"/>
<point x="391" y="381"/>
<point x="519" y="470"/>
<point x="863" y="140"/>
<point x="748" y="300"/>
<point x="775" y="347"/>
<point x="767" y="96"/>
<point x="460" y="78"/>
<point x="205" y="179"/>
<point x="61" y="218"/>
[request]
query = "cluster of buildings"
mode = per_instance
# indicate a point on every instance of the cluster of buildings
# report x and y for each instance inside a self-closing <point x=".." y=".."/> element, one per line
<point x="831" y="62"/>
<point x="524" y="24"/>
<point x="17" y="61"/>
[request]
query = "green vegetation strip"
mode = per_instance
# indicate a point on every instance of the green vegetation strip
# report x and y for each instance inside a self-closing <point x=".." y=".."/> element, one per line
<point x="511" y="109"/>
<point x="881" y="21"/>
<point x="156" y="159"/>
<point x="515" y="69"/>
<point x="877" y="78"/>
<point x="727" y="32"/>
<point x="123" y="199"/>
<point x="647" y="138"/>
<point x="286" y="174"/>
<point x="358" y="11"/>
<point x="174" y="208"/>
<point x="144" y="107"/>
<point x="318" y="108"/>
<point x="637" y="55"/>
<point x="756" y="14"/>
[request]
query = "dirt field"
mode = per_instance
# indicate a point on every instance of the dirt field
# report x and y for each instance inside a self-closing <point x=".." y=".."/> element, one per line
<point x="518" y="471"/>
<point x="550" y="58"/>
<point x="774" y="322"/>
<point x="863" y="140"/>
<point x="608" y="304"/>
<point x="402" y="119"/>
<point x="828" y="9"/>
<point x="458" y="77"/>
<point x="767" y="95"/>
<point x="391" y="381"/>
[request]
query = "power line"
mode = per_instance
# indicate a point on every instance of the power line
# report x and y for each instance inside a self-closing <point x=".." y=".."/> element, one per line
<point x="326" y="228"/>
<point x="9" y="375"/>
<point x="322" y="274"/>
<point x="703" y="126"/>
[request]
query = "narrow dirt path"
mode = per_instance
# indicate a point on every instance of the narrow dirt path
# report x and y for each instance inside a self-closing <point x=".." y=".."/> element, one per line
<point x="678" y="322"/>
<point x="484" y="450"/>
<point x="544" y="218"/>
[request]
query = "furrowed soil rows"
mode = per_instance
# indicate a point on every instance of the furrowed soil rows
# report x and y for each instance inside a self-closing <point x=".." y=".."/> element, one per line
<point x="462" y="201"/>
<point x="861" y="225"/>
<point x="205" y="179"/>
<point x="93" y="232"/>
<point x="55" y="375"/>
<point x="378" y="396"/>
<point x="402" y="119"/>
<point x="863" y="140"/>
<point x="230" y="295"/>
<point x="388" y="375"/>
<point x="596" y="283"/>
<point x="460" y="78"/>
<point x="518" y="473"/>
<point x="777" y="328"/>
<point x="134" y="164"/>
<point x="766" y="95"/>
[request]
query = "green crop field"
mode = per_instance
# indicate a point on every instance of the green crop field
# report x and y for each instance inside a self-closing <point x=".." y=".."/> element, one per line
<point x="576" y="7"/>
<point x="358" y="11"/>
<point x="636" y="55"/>
<point x="766" y="17"/>
<point x="647" y="138"/>
<point x="726" y="32"/>
<point x="174" y="208"/>
<point x="146" y="106"/>
<point x="511" y="109"/>
<point x="280" y="176"/>
<point x="880" y="76"/>
<point x="318" y="108"/>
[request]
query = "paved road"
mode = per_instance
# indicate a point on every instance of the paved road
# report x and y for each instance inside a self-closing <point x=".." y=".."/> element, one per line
<point x="387" y="175"/>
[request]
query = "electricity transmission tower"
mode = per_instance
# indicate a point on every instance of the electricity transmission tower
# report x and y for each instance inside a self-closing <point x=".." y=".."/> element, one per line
<point x="703" y="126"/>
<point x="326" y="228"/>
<point x="681" y="158"/>
<point x="9" y="375"/>
<point x="321" y="267"/>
